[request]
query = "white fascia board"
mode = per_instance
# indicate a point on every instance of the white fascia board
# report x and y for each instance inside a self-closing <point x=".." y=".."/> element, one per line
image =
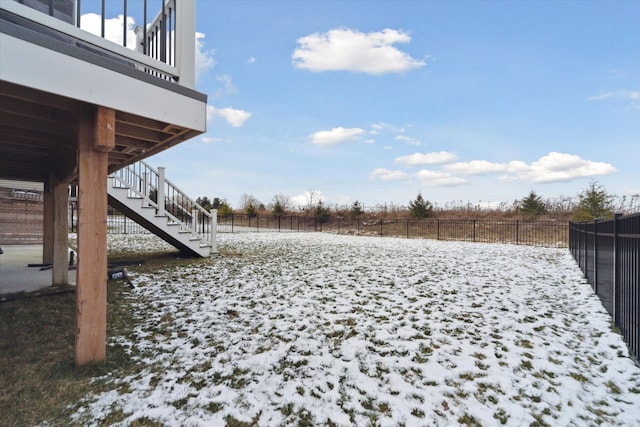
<point x="30" y="65"/>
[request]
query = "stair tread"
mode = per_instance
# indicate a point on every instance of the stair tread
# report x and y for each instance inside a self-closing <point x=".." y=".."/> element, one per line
<point x="184" y="238"/>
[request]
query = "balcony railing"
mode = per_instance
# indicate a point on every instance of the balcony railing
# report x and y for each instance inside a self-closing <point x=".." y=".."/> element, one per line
<point x="164" y="43"/>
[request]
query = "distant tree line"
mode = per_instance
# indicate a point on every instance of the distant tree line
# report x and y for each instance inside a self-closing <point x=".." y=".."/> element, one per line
<point x="594" y="202"/>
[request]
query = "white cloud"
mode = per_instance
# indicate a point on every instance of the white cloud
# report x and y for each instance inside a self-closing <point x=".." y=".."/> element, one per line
<point x="204" y="58"/>
<point x="251" y="60"/>
<point x="556" y="167"/>
<point x="408" y="140"/>
<point x="309" y="196"/>
<point x="350" y="50"/>
<point x="632" y="97"/>
<point x="388" y="175"/>
<point x="621" y="94"/>
<point x="475" y="167"/>
<point x="227" y="88"/>
<point x="234" y="117"/>
<point x="553" y="167"/>
<point x="438" y="178"/>
<point x="433" y="158"/>
<point x="92" y="22"/>
<point x="209" y="140"/>
<point x="336" y="136"/>
<point x="379" y="127"/>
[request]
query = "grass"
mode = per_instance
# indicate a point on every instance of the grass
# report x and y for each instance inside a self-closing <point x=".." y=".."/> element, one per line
<point x="38" y="377"/>
<point x="38" y="381"/>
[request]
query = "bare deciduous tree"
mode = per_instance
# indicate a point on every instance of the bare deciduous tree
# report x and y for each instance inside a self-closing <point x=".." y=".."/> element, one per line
<point x="280" y="204"/>
<point x="313" y="197"/>
<point x="249" y="203"/>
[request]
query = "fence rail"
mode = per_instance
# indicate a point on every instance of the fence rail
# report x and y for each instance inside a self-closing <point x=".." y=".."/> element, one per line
<point x="535" y="233"/>
<point x="608" y="252"/>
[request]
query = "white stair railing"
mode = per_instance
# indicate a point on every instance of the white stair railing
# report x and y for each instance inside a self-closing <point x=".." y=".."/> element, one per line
<point x="146" y="183"/>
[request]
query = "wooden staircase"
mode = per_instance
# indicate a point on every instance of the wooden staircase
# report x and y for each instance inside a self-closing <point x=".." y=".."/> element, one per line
<point x="147" y="197"/>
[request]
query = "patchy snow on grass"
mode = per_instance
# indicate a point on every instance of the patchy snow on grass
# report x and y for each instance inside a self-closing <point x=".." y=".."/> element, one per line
<point x="319" y="329"/>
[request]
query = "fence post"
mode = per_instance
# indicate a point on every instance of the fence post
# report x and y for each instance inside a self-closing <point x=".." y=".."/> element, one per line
<point x="595" y="256"/>
<point x="257" y="223"/>
<point x="407" y="228"/>
<point x="616" y="268"/>
<point x="160" y="191"/>
<point x="438" y="228"/>
<point x="474" y="231"/>
<point x="232" y="222"/>
<point x="586" y="260"/>
<point x="517" y="231"/>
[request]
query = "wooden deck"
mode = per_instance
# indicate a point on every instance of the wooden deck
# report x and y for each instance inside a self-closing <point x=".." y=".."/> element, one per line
<point x="39" y="129"/>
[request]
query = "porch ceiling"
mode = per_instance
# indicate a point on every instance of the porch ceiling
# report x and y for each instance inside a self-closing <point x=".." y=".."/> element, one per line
<point x="38" y="135"/>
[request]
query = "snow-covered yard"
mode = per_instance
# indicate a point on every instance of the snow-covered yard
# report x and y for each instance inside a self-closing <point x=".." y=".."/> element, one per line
<point x="319" y="329"/>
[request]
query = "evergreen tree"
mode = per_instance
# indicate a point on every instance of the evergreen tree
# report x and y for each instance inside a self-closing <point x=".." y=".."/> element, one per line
<point x="250" y="209"/>
<point x="224" y="209"/>
<point x="356" y="210"/>
<point x="321" y="212"/>
<point x="532" y="205"/>
<point x="278" y="209"/>
<point x="204" y="202"/>
<point x="420" y="208"/>
<point x="595" y="203"/>
<point x="217" y="203"/>
<point x="280" y="204"/>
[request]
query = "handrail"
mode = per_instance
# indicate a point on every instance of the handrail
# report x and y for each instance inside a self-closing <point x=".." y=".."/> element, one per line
<point x="149" y="184"/>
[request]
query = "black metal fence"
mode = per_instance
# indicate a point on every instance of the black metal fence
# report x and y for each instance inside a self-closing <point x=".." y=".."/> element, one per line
<point x="117" y="222"/>
<point x="608" y="252"/>
<point x="534" y="233"/>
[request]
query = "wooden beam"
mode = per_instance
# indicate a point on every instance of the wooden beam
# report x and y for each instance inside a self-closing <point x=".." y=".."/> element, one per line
<point x="91" y="286"/>
<point x="34" y="95"/>
<point x="48" y="221"/>
<point x="60" y="232"/>
<point x="105" y="137"/>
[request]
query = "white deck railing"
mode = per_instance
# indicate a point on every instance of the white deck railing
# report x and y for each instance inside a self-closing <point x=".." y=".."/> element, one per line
<point x="165" y="45"/>
<point x="146" y="183"/>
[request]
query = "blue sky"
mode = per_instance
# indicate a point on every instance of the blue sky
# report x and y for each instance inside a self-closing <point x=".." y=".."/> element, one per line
<point x="376" y="101"/>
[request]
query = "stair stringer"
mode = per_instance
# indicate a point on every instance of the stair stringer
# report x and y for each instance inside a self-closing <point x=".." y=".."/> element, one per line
<point x="160" y="225"/>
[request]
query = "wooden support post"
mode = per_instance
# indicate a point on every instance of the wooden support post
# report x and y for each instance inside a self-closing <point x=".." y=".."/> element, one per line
<point x="95" y="137"/>
<point x="60" y="233"/>
<point x="48" y="220"/>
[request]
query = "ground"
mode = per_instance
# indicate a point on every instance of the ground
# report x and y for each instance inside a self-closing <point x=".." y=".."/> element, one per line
<point x="319" y="329"/>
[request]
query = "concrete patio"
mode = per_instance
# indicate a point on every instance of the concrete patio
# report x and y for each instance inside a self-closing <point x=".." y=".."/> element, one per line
<point x="16" y="276"/>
